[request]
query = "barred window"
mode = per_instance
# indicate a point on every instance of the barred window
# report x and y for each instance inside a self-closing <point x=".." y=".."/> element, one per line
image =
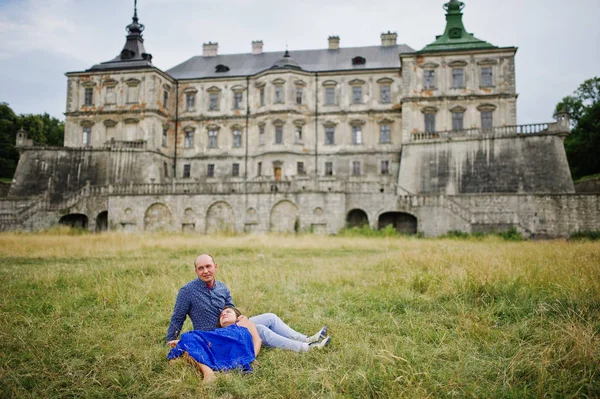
<point x="429" y="79"/>
<point x="278" y="134"/>
<point x="487" y="121"/>
<point x="186" y="170"/>
<point x="356" y="135"/>
<point x="299" y="95"/>
<point x="357" y="97"/>
<point x="300" y="168"/>
<point x="190" y="101"/>
<point x="237" y="138"/>
<point x="457" y="120"/>
<point x="329" y="135"/>
<point x="210" y="170"/>
<point x="386" y="94"/>
<point x="458" y="78"/>
<point x="188" y="141"/>
<point x="237" y="99"/>
<point x="87" y="135"/>
<point x="261" y="135"/>
<point x="385" y="167"/>
<point x="213" y="102"/>
<point x="328" y="168"/>
<point x="329" y="95"/>
<point x="486" y="77"/>
<point x="213" y="138"/>
<point x="385" y="133"/>
<point x="235" y="169"/>
<point x="88" y="96"/>
<point x="355" y="168"/>
<point x="430" y="123"/>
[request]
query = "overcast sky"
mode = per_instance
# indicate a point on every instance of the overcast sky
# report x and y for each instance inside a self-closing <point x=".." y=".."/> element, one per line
<point x="40" y="40"/>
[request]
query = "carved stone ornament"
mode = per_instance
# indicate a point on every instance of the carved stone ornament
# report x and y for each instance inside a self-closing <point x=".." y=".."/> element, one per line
<point x="457" y="64"/>
<point x="429" y="110"/>
<point x="329" y="83"/>
<point x="486" y="108"/>
<point x="356" y="82"/>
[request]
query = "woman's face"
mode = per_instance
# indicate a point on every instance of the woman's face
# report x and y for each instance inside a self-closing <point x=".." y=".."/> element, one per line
<point x="227" y="317"/>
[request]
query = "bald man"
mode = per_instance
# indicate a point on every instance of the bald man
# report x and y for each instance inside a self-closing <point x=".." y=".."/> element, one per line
<point x="204" y="298"/>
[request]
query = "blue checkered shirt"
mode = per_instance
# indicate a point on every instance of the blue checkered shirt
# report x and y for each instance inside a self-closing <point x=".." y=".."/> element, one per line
<point x="202" y="304"/>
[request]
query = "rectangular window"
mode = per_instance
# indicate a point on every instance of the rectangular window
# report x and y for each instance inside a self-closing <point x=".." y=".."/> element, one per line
<point x="87" y="135"/>
<point x="186" y="170"/>
<point x="357" y="94"/>
<point x="386" y="94"/>
<point x="278" y="94"/>
<point x="298" y="134"/>
<point x="188" y="141"/>
<point x="213" y="102"/>
<point x="165" y="169"/>
<point x="237" y="99"/>
<point x="190" y="101"/>
<point x="300" y="168"/>
<point x="237" y="138"/>
<point x="299" y="95"/>
<point x="430" y="123"/>
<point x="457" y="120"/>
<point x="486" y="77"/>
<point x="165" y="98"/>
<point x="261" y="135"/>
<point x="88" y="96"/>
<point x="328" y="168"/>
<point x="213" y="138"/>
<point x="458" y="78"/>
<point x="262" y="96"/>
<point x="355" y="168"/>
<point x="210" y="170"/>
<point x="278" y="134"/>
<point x="110" y="95"/>
<point x="164" y="137"/>
<point x="329" y="135"/>
<point x="235" y="169"/>
<point x="133" y="94"/>
<point x="487" y="121"/>
<point x="429" y="79"/>
<point x="385" y="134"/>
<point x="259" y="169"/>
<point x="385" y="167"/>
<point x="329" y="95"/>
<point x="356" y="135"/>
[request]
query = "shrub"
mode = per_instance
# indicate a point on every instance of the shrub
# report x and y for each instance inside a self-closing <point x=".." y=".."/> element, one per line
<point x="592" y="235"/>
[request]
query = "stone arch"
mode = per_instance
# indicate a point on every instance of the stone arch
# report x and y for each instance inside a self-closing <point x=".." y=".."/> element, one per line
<point x="75" y="220"/>
<point x="357" y="218"/>
<point x="102" y="222"/>
<point x="404" y="223"/>
<point x="219" y="218"/>
<point x="285" y="217"/>
<point x="157" y="217"/>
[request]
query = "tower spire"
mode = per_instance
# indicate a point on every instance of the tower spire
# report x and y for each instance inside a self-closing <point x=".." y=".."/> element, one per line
<point x="455" y="35"/>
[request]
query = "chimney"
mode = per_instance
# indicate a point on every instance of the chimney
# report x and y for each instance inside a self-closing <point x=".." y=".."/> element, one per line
<point x="210" y="49"/>
<point x="334" y="42"/>
<point x="257" y="47"/>
<point x="389" y="38"/>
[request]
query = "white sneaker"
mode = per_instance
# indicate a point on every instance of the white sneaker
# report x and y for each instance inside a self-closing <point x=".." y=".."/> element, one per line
<point x="318" y="336"/>
<point x="319" y="345"/>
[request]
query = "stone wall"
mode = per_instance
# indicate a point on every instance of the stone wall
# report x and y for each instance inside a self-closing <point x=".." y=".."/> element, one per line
<point x="58" y="173"/>
<point x="4" y="188"/>
<point x="534" y="163"/>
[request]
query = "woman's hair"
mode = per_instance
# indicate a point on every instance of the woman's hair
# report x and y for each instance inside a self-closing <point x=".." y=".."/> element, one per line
<point x="237" y="314"/>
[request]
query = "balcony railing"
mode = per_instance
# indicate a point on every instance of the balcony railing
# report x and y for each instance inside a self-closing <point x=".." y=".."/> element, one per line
<point x="500" y="131"/>
<point x="123" y="144"/>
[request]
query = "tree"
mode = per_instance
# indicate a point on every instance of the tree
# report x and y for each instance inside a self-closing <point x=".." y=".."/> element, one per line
<point x="43" y="129"/>
<point x="583" y="144"/>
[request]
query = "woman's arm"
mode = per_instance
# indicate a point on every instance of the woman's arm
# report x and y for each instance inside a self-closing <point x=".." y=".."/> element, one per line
<point x="244" y="322"/>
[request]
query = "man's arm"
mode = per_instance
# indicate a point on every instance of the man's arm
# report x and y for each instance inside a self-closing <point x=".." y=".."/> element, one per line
<point x="182" y="307"/>
<point x="228" y="299"/>
<point x="244" y="322"/>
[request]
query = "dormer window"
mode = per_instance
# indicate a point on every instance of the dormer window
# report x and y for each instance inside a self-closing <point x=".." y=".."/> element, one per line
<point x="359" y="61"/>
<point x="221" y="68"/>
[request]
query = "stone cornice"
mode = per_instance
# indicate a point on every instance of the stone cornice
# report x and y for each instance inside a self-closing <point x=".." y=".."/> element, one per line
<point x="458" y="98"/>
<point x="118" y="112"/>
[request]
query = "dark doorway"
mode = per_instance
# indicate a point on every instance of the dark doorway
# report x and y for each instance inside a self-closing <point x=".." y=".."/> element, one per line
<point x="75" y="220"/>
<point x="102" y="222"/>
<point x="357" y="218"/>
<point x="404" y="223"/>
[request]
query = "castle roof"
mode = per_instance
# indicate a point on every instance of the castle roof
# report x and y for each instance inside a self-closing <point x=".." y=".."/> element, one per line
<point x="320" y="60"/>
<point x="133" y="54"/>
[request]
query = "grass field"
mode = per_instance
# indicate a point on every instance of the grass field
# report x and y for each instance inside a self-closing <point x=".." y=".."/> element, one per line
<point x="86" y="315"/>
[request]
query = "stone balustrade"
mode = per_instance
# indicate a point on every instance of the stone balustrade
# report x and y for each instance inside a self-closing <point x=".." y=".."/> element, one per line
<point x="560" y="127"/>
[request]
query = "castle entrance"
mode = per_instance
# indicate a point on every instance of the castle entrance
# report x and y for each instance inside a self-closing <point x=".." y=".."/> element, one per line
<point x="220" y="218"/>
<point x="102" y="222"/>
<point x="357" y="218"/>
<point x="157" y="217"/>
<point x="284" y="218"/>
<point x="75" y="220"/>
<point x="404" y="223"/>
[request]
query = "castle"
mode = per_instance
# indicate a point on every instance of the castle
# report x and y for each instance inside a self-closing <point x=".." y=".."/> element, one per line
<point x="315" y="140"/>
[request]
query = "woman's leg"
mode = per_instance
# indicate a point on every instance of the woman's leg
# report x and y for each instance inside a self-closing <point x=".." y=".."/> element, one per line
<point x="271" y="339"/>
<point x="206" y="371"/>
<point x="275" y="324"/>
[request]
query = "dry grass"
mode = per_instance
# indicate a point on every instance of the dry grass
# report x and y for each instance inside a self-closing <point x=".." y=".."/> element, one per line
<point x="85" y="315"/>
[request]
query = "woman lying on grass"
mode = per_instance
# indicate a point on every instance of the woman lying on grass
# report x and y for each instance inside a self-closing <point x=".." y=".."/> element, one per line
<point x="234" y="346"/>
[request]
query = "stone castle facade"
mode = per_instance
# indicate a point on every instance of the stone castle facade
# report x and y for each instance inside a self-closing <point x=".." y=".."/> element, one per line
<point x="314" y="140"/>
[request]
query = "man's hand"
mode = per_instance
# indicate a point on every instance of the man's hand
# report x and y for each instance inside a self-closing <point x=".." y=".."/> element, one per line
<point x="173" y="343"/>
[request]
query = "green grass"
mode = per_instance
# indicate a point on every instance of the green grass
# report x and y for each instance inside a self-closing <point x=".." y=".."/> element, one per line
<point x="589" y="177"/>
<point x="85" y="315"/>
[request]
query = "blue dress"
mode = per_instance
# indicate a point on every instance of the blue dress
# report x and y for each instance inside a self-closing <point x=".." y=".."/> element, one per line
<point x="220" y="349"/>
